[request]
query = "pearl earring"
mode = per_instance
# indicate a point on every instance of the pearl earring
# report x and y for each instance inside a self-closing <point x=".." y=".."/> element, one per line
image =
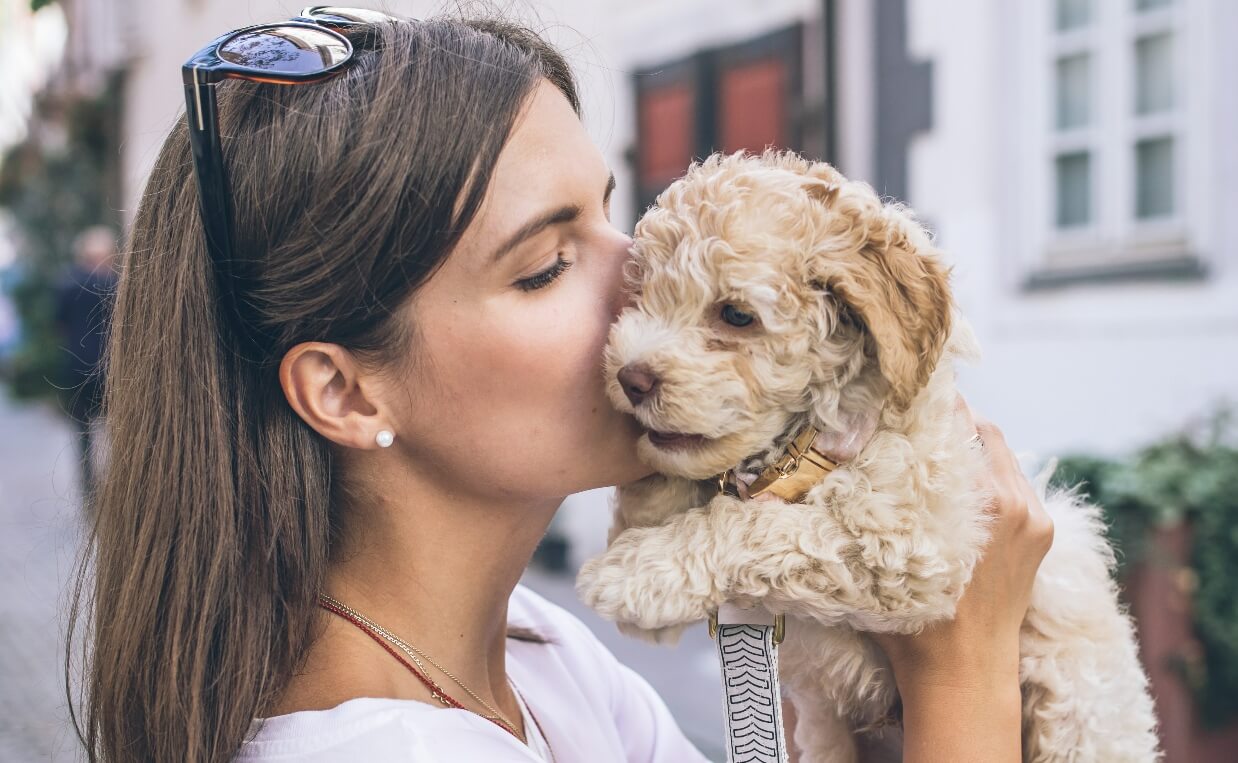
<point x="384" y="438"/>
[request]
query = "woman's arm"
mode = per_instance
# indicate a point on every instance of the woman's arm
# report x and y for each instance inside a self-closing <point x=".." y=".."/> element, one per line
<point x="959" y="680"/>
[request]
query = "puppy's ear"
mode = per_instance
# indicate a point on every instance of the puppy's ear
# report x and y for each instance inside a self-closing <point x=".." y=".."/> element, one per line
<point x="878" y="260"/>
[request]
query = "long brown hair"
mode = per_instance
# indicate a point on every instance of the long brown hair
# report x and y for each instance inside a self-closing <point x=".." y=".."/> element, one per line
<point x="214" y="521"/>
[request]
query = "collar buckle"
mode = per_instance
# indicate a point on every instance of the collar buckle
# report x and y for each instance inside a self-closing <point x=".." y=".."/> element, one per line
<point x="789" y="477"/>
<point x="788" y="466"/>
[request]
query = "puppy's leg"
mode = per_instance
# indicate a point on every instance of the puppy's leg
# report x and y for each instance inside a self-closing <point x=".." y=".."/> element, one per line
<point x="678" y="572"/>
<point x="849" y="678"/>
<point x="651" y="500"/>
<point x="821" y="735"/>
<point x="644" y="503"/>
<point x="661" y="576"/>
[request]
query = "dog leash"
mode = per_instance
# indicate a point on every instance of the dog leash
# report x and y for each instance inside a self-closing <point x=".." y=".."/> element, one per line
<point x="748" y="639"/>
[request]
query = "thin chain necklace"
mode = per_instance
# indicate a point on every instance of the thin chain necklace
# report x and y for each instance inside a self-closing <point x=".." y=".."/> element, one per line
<point x="379" y="633"/>
<point x="414" y="653"/>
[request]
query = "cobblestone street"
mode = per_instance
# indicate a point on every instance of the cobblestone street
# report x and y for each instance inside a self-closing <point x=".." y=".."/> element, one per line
<point x="39" y="530"/>
<point x="38" y="539"/>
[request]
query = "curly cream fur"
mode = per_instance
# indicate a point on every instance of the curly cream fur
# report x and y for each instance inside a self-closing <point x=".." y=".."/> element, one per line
<point x="854" y="332"/>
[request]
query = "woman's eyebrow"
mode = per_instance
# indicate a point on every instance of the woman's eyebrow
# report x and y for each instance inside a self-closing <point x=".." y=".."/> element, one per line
<point x="538" y="224"/>
<point x="564" y="214"/>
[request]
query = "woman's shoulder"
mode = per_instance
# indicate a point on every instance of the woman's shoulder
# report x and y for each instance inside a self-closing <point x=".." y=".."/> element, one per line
<point x="627" y="718"/>
<point x="572" y="656"/>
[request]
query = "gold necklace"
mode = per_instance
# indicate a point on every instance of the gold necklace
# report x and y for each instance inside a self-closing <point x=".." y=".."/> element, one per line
<point x="415" y="654"/>
<point x="435" y="690"/>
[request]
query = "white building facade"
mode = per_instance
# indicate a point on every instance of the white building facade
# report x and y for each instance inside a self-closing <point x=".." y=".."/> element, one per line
<point x="1075" y="158"/>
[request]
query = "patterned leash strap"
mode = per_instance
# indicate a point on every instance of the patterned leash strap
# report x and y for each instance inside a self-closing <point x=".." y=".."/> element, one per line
<point x="747" y="642"/>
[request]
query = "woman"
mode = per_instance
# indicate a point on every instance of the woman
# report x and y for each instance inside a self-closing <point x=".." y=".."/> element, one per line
<point x="432" y="273"/>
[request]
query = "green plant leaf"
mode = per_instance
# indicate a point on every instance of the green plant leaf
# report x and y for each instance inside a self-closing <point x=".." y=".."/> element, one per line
<point x="1182" y="479"/>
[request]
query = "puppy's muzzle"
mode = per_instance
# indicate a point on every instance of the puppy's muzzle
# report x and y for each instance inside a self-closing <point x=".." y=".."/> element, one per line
<point x="638" y="382"/>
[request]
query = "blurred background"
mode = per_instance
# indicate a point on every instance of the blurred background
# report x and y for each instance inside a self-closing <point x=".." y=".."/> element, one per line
<point x="1076" y="159"/>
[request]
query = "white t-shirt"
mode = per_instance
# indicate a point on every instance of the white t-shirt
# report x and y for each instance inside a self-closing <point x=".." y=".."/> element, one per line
<point x="592" y="708"/>
<point x="532" y="732"/>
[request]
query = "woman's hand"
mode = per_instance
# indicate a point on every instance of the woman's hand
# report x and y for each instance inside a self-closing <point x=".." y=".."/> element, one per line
<point x="959" y="680"/>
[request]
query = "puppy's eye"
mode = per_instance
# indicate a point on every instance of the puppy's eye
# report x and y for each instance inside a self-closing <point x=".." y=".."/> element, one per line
<point x="735" y="316"/>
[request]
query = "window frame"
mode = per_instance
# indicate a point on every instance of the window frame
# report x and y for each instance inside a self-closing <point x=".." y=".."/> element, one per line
<point x="1115" y="244"/>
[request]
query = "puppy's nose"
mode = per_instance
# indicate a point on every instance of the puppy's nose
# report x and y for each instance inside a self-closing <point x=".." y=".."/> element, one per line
<point x="638" y="382"/>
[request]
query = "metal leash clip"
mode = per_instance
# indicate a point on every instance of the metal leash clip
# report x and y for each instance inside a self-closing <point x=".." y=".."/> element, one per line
<point x="780" y="626"/>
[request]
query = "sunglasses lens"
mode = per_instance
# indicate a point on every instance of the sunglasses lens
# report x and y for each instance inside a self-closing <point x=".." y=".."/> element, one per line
<point x="346" y="15"/>
<point x="285" y="50"/>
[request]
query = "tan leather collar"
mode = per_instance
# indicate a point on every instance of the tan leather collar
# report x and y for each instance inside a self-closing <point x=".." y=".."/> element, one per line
<point x="788" y="478"/>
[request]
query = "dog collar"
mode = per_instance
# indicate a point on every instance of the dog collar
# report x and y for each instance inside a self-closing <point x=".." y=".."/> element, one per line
<point x="790" y="477"/>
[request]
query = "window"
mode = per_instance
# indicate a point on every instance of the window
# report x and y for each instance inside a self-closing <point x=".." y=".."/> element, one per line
<point x="1156" y="121"/>
<point x="1105" y="99"/>
<point x="1074" y="116"/>
<point x="747" y="95"/>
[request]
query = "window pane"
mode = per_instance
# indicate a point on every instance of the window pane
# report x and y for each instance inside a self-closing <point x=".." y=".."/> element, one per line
<point x="1154" y="177"/>
<point x="753" y="109"/>
<point x="666" y="128"/>
<point x="1073" y="90"/>
<point x="1154" y="74"/>
<point x="1073" y="13"/>
<point x="1074" y="189"/>
<point x="1144" y="5"/>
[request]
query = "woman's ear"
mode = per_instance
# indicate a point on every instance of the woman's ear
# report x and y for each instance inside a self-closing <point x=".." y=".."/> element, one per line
<point x="324" y="386"/>
<point x="877" y="259"/>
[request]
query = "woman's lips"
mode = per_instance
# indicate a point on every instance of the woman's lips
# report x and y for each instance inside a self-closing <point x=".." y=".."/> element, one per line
<point x="674" y="440"/>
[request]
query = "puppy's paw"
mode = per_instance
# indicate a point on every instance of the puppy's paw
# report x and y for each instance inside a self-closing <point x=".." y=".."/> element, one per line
<point x="640" y="584"/>
<point x="610" y="589"/>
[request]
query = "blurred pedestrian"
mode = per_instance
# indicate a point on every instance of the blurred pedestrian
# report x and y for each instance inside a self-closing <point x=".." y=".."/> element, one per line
<point x="83" y="309"/>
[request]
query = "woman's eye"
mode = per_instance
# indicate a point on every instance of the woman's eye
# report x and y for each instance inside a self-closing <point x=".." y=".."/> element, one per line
<point x="544" y="278"/>
<point x="736" y="317"/>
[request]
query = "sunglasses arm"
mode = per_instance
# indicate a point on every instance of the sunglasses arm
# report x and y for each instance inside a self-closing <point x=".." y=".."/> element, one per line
<point x="215" y="202"/>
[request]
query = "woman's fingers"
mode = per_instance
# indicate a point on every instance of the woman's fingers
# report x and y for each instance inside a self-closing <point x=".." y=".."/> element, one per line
<point x="1014" y="499"/>
<point x="992" y="439"/>
<point x="1039" y="523"/>
<point x="988" y="433"/>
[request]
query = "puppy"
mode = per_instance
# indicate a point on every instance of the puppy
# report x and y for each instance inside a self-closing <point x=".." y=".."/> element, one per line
<point x="772" y="294"/>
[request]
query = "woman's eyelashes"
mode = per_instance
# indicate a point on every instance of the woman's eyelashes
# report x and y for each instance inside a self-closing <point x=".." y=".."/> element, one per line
<point x="546" y="277"/>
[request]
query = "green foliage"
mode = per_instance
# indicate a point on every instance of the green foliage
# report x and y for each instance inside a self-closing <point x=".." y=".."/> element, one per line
<point x="55" y="183"/>
<point x="1214" y="558"/>
<point x="1183" y="479"/>
<point x="1110" y="486"/>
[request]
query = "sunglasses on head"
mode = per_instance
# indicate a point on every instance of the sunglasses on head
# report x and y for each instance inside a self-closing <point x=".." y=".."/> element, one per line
<point x="303" y="50"/>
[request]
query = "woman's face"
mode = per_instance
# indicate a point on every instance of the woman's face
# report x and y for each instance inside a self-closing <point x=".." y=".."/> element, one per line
<point x="507" y="396"/>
